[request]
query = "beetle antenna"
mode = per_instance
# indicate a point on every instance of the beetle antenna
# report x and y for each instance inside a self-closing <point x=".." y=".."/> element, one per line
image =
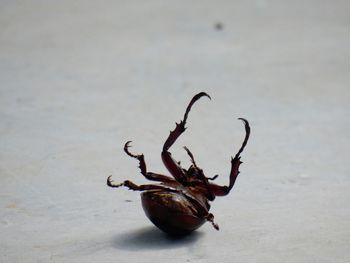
<point x="191" y="156"/>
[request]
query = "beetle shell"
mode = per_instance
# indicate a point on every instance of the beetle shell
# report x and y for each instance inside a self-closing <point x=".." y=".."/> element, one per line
<point x="172" y="211"/>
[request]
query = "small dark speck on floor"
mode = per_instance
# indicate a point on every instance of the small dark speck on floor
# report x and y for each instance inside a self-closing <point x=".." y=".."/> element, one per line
<point x="128" y="201"/>
<point x="219" y="26"/>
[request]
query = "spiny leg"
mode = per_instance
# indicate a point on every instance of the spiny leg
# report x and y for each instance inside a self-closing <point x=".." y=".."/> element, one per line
<point x="173" y="167"/>
<point x="201" y="210"/>
<point x="235" y="163"/>
<point x="180" y="127"/>
<point x="133" y="186"/>
<point x="142" y="166"/>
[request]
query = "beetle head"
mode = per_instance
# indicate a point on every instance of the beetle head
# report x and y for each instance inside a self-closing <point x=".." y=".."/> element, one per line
<point x="197" y="179"/>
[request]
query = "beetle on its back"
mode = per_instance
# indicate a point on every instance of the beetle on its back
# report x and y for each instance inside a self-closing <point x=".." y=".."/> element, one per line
<point x="180" y="204"/>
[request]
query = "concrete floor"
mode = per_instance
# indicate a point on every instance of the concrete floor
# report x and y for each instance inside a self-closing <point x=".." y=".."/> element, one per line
<point x="80" y="78"/>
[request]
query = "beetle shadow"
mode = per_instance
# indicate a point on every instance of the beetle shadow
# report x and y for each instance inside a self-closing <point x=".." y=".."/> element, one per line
<point x="151" y="238"/>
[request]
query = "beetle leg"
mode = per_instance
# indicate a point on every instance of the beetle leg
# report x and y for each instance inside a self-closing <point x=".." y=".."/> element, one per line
<point x="235" y="163"/>
<point x="210" y="218"/>
<point x="133" y="186"/>
<point x="142" y="166"/>
<point x="173" y="167"/>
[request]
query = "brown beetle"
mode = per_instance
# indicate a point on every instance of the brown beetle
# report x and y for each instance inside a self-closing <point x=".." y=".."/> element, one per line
<point x="180" y="204"/>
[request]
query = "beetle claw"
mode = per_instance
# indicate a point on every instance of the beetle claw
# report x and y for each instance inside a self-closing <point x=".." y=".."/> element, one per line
<point x="126" y="150"/>
<point x="127" y="144"/>
<point x="110" y="182"/>
<point x="210" y="218"/>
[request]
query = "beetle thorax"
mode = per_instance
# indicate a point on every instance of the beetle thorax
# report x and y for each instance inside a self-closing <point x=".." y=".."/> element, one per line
<point x="196" y="180"/>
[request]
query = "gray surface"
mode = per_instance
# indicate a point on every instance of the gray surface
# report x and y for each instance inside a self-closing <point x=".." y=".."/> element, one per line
<point x="79" y="79"/>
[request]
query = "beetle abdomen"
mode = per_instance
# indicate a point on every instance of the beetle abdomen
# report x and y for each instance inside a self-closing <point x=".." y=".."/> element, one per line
<point x="171" y="212"/>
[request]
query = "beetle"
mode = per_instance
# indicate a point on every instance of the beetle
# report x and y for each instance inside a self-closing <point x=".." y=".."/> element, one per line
<point x="180" y="204"/>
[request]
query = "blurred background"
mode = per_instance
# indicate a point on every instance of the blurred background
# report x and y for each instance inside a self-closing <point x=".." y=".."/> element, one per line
<point x="80" y="78"/>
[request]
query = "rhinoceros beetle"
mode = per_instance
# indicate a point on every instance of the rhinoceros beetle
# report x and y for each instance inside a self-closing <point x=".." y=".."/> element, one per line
<point x="180" y="204"/>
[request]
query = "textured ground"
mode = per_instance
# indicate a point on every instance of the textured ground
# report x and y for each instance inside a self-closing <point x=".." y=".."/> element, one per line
<point x="79" y="78"/>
